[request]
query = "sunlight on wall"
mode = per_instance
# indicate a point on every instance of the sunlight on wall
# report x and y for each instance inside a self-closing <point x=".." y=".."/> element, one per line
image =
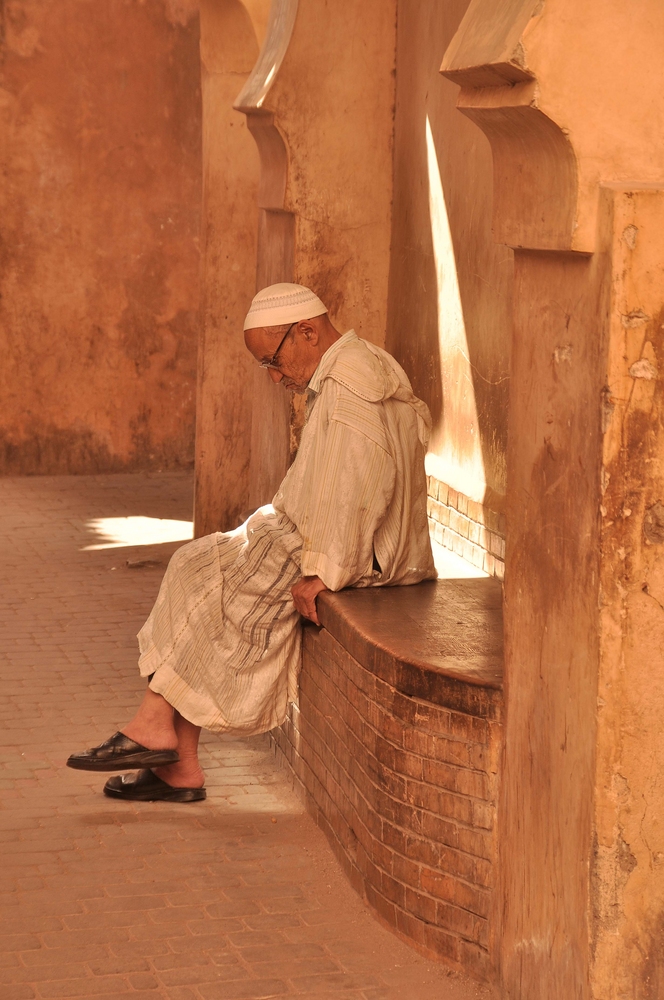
<point x="456" y="455"/>
<point x="121" y="532"/>
<point x="450" y="566"/>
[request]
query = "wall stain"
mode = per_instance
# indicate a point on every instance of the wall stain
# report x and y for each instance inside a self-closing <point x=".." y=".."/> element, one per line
<point x="54" y="451"/>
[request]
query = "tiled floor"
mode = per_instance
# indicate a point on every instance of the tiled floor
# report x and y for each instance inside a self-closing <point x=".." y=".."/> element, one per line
<point x="238" y="897"/>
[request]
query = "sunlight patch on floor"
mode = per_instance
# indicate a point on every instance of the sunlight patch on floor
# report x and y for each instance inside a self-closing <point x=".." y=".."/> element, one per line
<point x="123" y="532"/>
<point x="241" y="777"/>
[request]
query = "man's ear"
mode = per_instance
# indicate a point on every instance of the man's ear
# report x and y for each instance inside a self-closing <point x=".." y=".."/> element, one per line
<point x="309" y="331"/>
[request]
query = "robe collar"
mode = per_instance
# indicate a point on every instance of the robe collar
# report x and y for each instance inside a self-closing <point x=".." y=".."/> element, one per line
<point x="371" y="374"/>
<point x="327" y="360"/>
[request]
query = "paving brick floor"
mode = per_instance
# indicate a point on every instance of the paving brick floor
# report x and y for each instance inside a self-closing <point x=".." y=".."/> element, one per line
<point x="236" y="898"/>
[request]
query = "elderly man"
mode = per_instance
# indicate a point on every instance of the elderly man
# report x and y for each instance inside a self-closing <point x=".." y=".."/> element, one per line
<point x="221" y="647"/>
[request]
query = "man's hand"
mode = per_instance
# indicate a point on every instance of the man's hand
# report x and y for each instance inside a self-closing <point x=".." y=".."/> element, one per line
<point x="305" y="592"/>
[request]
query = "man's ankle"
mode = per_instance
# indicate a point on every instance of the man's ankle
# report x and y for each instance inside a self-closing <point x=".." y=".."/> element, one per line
<point x="154" y="737"/>
<point x="180" y="775"/>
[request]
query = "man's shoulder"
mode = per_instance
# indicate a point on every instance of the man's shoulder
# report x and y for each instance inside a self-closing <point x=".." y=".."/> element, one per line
<point x="364" y="370"/>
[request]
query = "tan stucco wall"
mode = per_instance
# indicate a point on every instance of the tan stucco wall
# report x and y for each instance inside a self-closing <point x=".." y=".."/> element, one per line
<point x="99" y="217"/>
<point x="600" y="70"/>
<point x="455" y="349"/>
<point x="627" y="876"/>
<point x="582" y="838"/>
<point x="572" y="105"/>
<point x="229" y="49"/>
<point x="572" y="138"/>
<point x="334" y="103"/>
<point x="551" y="626"/>
<point x="316" y="211"/>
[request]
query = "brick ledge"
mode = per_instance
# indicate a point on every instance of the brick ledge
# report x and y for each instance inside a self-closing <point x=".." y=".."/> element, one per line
<point x="439" y="641"/>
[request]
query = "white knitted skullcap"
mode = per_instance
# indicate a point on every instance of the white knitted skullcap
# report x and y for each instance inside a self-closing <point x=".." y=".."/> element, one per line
<point x="282" y="303"/>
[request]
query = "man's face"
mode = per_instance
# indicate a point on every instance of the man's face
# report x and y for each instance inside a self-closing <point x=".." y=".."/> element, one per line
<point x="296" y="359"/>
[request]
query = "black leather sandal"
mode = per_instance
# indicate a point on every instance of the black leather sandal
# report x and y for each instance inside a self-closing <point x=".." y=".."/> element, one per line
<point x="145" y="786"/>
<point x="120" y="752"/>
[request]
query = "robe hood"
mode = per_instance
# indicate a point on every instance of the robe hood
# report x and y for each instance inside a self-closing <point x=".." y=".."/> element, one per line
<point x="372" y="374"/>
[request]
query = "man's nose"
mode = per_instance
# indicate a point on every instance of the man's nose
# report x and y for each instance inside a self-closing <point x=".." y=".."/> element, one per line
<point x="275" y="374"/>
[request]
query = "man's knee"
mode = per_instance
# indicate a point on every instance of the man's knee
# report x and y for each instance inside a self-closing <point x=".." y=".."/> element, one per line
<point x="190" y="550"/>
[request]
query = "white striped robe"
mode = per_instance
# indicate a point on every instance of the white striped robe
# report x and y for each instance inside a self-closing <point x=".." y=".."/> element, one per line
<point x="223" y="639"/>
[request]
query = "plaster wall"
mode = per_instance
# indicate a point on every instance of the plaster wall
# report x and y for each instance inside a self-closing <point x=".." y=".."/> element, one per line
<point x="99" y="218"/>
<point x="571" y="135"/>
<point x="225" y="400"/>
<point x="551" y="625"/>
<point x="333" y="101"/>
<point x="323" y="129"/>
<point x="601" y="79"/>
<point x="627" y="917"/>
<point x="450" y="283"/>
<point x="582" y="840"/>
<point x="580" y="898"/>
<point x="310" y="202"/>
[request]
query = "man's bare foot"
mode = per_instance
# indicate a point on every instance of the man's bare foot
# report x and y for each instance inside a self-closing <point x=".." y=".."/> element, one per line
<point x="153" y="725"/>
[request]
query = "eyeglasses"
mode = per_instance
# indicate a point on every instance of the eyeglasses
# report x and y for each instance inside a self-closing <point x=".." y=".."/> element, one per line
<point x="272" y="363"/>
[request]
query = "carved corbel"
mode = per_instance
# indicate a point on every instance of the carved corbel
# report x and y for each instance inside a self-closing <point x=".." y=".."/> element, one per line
<point x="276" y="225"/>
<point x="534" y="165"/>
<point x="270" y="433"/>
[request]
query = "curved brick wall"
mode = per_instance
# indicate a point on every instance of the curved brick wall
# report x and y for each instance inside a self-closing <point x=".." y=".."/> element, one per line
<point x="399" y="761"/>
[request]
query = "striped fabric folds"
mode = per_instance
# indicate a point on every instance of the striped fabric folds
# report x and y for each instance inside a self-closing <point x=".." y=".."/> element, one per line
<point x="223" y="638"/>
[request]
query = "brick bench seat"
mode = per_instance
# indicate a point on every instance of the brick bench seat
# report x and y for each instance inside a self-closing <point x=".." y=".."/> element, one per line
<point x="439" y="641"/>
<point x="396" y="743"/>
